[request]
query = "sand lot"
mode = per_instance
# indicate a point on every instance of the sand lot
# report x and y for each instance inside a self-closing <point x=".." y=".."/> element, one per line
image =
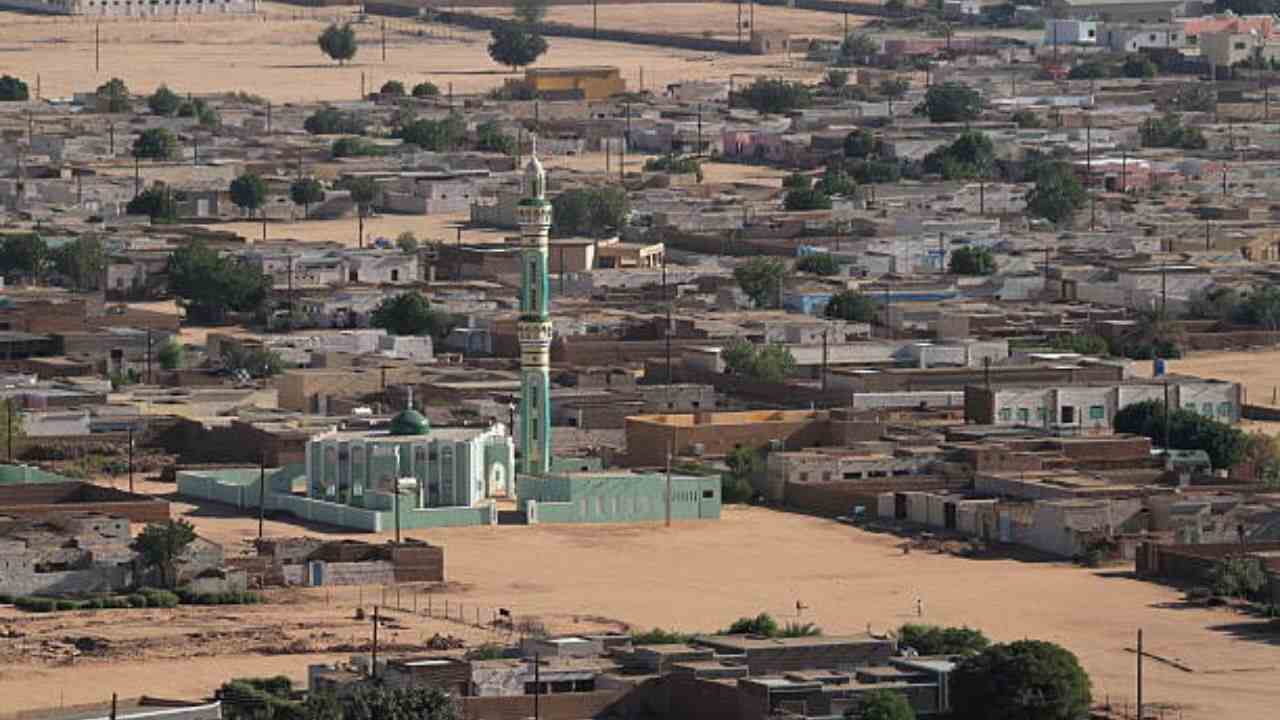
<point x="691" y="577"/>
<point x="276" y="56"/>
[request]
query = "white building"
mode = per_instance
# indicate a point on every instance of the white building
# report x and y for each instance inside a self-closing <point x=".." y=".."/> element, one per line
<point x="1059" y="31"/>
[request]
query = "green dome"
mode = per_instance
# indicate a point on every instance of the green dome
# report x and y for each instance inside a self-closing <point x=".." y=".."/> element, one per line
<point x="410" y="422"/>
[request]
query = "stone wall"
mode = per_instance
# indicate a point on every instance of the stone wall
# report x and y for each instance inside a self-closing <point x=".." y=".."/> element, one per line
<point x="839" y="498"/>
<point x="41" y="499"/>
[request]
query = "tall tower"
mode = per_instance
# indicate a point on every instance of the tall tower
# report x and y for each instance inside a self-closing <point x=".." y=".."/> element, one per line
<point x="534" y="214"/>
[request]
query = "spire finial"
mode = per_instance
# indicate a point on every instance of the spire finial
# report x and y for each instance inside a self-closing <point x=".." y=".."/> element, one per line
<point x="533" y="144"/>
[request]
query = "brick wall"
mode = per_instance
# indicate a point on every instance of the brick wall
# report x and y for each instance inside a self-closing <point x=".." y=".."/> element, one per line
<point x="40" y="499"/>
<point x="418" y="564"/>
<point x="647" y="442"/>
<point x="838" y="498"/>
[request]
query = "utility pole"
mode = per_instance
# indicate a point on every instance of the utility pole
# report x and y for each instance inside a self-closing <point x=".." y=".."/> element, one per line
<point x="289" y="290"/>
<point x="111" y="139"/>
<point x="595" y="19"/>
<point x="268" y="118"/>
<point x="131" y="457"/>
<point x="97" y="66"/>
<point x="846" y="23"/>
<point x="384" y="40"/>
<point x="397" y="503"/>
<point x="149" y="346"/>
<point x="699" y="152"/>
<point x="1206" y="234"/>
<point x="1140" y="707"/>
<point x="262" y="491"/>
<point x="824" y="359"/>
<point x="9" y="408"/>
<point x="537" y="687"/>
<point x="668" y="523"/>
<point x="137" y="177"/>
<point x="374" y="666"/>
<point x="362" y="85"/>
<point x="195" y="149"/>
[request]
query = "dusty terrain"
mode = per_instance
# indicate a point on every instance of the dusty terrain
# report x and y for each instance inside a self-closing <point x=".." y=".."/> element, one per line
<point x="690" y="577"/>
<point x="276" y="56"/>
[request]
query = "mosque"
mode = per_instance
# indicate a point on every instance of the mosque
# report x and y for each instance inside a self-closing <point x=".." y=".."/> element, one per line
<point x="435" y="477"/>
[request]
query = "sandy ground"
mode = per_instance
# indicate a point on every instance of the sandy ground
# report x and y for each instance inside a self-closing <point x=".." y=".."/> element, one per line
<point x="277" y="57"/>
<point x="696" y="576"/>
<point x="1258" y="371"/>
<point x="709" y="19"/>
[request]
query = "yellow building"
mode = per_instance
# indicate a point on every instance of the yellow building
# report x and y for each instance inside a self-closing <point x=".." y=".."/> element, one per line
<point x="595" y="82"/>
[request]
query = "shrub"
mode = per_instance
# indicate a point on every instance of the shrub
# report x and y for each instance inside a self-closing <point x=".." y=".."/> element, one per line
<point x="658" y="636"/>
<point x="797" y="629"/>
<point x="35" y="604"/>
<point x="935" y="640"/>
<point x="426" y="89"/>
<point x="1241" y="577"/>
<point x="137" y="600"/>
<point x="64" y="605"/>
<point x="818" y="264"/>
<point x="762" y="624"/>
<point x="159" y="598"/>
<point x="5" y="599"/>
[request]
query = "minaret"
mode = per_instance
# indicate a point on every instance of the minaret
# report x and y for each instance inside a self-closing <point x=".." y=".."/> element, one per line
<point x="534" y="214"/>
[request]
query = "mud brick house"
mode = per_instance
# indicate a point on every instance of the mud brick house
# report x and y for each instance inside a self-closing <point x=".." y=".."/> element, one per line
<point x="1191" y="564"/>
<point x="314" y="562"/>
<point x="72" y="497"/>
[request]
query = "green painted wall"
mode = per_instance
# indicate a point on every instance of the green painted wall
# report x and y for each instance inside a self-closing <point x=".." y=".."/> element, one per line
<point x="607" y="498"/>
<point x="21" y="474"/>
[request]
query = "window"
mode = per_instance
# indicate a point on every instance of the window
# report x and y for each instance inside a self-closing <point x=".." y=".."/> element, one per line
<point x="1068" y="415"/>
<point x="1190" y="407"/>
<point x="1206" y="409"/>
<point x="804" y="477"/>
<point x="1006" y="414"/>
<point x="1024" y="416"/>
<point x="395" y="276"/>
<point x="708" y="494"/>
<point x="1040" y="414"/>
<point x="1151" y="37"/>
<point x="1224" y="409"/>
<point x="1097" y="412"/>
<point x="1240" y="46"/>
<point x="353" y="276"/>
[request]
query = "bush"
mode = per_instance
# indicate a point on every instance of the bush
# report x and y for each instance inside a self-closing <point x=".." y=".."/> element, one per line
<point x="6" y="599"/>
<point x="935" y="640"/>
<point x="65" y="605"/>
<point x="35" y="604"/>
<point x="137" y="600"/>
<point x="392" y="87"/>
<point x="331" y="121"/>
<point x="797" y="629"/>
<point x="658" y="636"/>
<point x="762" y="624"/>
<point x="1024" y="679"/>
<point x="818" y="264"/>
<point x="116" y="603"/>
<point x="225" y="598"/>
<point x="159" y="598"/>
<point x="1241" y="577"/>
<point x="776" y="96"/>
<point x="426" y="90"/>
<point x="355" y="147"/>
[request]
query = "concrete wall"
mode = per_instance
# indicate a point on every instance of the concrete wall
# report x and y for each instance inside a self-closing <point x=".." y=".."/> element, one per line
<point x="617" y="498"/>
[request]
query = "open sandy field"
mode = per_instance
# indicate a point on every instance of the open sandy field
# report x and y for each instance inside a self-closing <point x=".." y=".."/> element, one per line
<point x="276" y="56"/>
<point x="690" y="577"/>
<point x="709" y="19"/>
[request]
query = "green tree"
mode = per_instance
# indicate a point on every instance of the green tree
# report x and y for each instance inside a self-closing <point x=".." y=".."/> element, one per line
<point x="1238" y="576"/>
<point x="208" y="285"/>
<point x="1154" y="334"/>
<point x="435" y="135"/>
<point x="799" y="200"/>
<point x="112" y="97"/>
<point x="407" y="242"/>
<point x="380" y="702"/>
<point x="260" y="699"/>
<point x="935" y="640"/>
<point x="774" y="95"/>
<point x="515" y="46"/>
<point x="529" y="11"/>
<point x="1225" y="444"/>
<point x="761" y="279"/>
<point x="952" y="102"/>
<point x="836" y="181"/>
<point x="248" y="192"/>
<point x="164" y="101"/>
<point x="970" y="156"/>
<point x="1024" y="680"/>
<point x="893" y="88"/>
<point x="675" y="164"/>
<point x="363" y="191"/>
<point x="743" y="463"/>
<point x="971" y="261"/>
<point x="589" y="212"/>
<point x="1084" y="344"/>
<point x="155" y="202"/>
<point x="1168" y="131"/>
<point x="738" y="355"/>
<point x="1089" y="70"/>
<point x="490" y="138"/>
<point x="338" y="42"/>
<point x="858" y="49"/>
<point x="882" y="704"/>
<point x="851" y="306"/>
<point x="23" y="255"/>
<point x="1261" y="307"/>
<point x="836" y="78"/>
<point x="1215" y="303"/>
<point x="258" y="362"/>
<point x="1026" y="119"/>
<point x="332" y="121"/>
<point x="305" y="192"/>
<point x="773" y="363"/>
<point x="762" y="624"/>
<point x="170" y="355"/>
<point x="13" y="90"/>
<point x="11" y="419"/>
<point x="160" y="544"/>
<point x="394" y="88"/>
<point x="870" y="172"/>
<point x="204" y="115"/>
<point x="1138" y="66"/>
<point x="155" y="144"/>
<point x="818" y="264"/>
<point x="355" y="147"/>
<point x="1057" y="194"/>
<point x="407" y="314"/>
<point x="82" y="261"/>
<point x="861" y="144"/>
<point x="426" y="90"/>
